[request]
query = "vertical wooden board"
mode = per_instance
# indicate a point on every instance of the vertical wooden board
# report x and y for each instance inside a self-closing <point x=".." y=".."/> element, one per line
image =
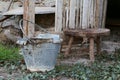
<point x="85" y="14"/>
<point x="104" y="13"/>
<point x="81" y="13"/>
<point x="29" y="18"/>
<point x="72" y="14"/>
<point x="88" y="14"/>
<point x="91" y="18"/>
<point x="77" y="13"/>
<point x="25" y="17"/>
<point x="67" y="17"/>
<point x="94" y="13"/>
<point x="97" y="9"/>
<point x="31" y="26"/>
<point x="67" y="8"/>
<point x="58" y="15"/>
<point x="100" y="13"/>
<point x="64" y="14"/>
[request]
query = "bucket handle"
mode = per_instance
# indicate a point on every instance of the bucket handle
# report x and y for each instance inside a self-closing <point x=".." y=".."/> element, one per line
<point x="20" y="24"/>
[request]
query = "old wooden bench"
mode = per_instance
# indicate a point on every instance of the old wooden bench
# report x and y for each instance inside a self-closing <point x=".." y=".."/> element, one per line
<point x="91" y="34"/>
<point x="82" y="18"/>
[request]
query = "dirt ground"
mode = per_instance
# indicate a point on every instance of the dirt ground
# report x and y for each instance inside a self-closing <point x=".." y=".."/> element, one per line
<point x="5" y="75"/>
<point x="70" y="60"/>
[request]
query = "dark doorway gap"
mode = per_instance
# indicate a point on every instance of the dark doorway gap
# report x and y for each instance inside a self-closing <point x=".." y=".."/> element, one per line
<point x="113" y="13"/>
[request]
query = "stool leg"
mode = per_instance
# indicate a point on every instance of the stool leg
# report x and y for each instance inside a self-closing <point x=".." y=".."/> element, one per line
<point x="69" y="46"/>
<point x="91" y="50"/>
<point x="98" y="45"/>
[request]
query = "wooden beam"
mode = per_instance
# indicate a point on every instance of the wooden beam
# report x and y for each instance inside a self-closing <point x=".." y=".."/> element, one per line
<point x="29" y="17"/>
<point x="58" y="16"/>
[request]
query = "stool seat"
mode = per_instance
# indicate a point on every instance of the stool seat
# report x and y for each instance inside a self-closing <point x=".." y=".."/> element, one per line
<point x="87" y="32"/>
<point x="91" y="34"/>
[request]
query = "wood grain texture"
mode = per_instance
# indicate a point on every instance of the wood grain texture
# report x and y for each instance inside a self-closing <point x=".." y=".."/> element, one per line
<point x="29" y="14"/>
<point x="59" y="16"/>
<point x="80" y="14"/>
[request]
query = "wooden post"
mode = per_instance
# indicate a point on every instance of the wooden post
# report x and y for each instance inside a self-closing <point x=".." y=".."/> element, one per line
<point x="58" y="15"/>
<point x="29" y="18"/>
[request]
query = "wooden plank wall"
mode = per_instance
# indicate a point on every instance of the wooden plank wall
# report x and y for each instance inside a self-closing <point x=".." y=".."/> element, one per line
<point x="80" y="14"/>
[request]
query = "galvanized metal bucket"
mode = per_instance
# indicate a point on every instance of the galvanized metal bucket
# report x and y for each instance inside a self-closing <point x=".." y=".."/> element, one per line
<point x="42" y="57"/>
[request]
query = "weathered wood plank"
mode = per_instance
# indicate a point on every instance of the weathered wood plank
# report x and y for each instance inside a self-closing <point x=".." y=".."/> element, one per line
<point x="88" y="17"/>
<point x="104" y="13"/>
<point x="94" y="13"/>
<point x="101" y="5"/>
<point x="59" y="15"/>
<point x="29" y="14"/>
<point x="64" y="14"/>
<point x="81" y="14"/>
<point x="77" y="13"/>
<point x="67" y="17"/>
<point x="85" y="14"/>
<point x="91" y="15"/>
<point x="38" y="10"/>
<point x="72" y="14"/>
<point x="97" y="13"/>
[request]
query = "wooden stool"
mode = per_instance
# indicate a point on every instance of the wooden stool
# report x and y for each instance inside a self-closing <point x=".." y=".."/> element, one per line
<point x="91" y="34"/>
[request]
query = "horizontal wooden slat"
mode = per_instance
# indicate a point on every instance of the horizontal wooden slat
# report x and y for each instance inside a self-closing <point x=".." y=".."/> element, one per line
<point x="38" y="10"/>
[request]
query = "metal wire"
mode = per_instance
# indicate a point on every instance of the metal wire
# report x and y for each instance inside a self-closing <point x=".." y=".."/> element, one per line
<point x="20" y="25"/>
<point x="42" y="29"/>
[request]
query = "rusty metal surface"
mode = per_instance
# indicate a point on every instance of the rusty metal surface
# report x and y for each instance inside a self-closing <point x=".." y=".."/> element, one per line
<point x="38" y="10"/>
